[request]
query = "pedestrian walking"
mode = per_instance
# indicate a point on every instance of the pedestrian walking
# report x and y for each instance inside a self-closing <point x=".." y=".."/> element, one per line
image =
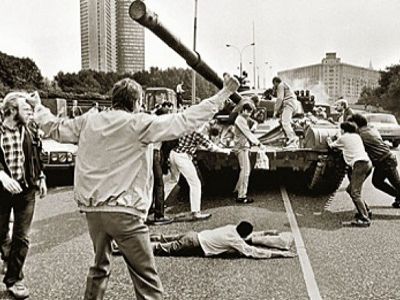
<point x="360" y="167"/>
<point x="114" y="176"/>
<point x="21" y="176"/>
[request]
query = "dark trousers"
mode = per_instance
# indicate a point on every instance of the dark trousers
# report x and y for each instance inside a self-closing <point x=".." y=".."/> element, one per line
<point x="15" y="250"/>
<point x="357" y="176"/>
<point x="132" y="238"/>
<point x="179" y="245"/>
<point x="387" y="169"/>
<point x="158" y="189"/>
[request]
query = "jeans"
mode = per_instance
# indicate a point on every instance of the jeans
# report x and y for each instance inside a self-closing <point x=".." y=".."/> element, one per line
<point x="132" y="238"/>
<point x="358" y="174"/>
<point x="244" y="175"/>
<point x="179" y="245"/>
<point x="158" y="189"/>
<point x="289" y="108"/>
<point x="14" y="251"/>
<point x="387" y="169"/>
<point x="182" y="163"/>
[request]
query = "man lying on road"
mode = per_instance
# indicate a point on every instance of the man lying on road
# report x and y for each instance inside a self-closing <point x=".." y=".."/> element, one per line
<point x="226" y="239"/>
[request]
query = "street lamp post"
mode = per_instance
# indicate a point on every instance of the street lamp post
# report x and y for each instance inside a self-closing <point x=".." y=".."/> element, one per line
<point x="240" y="54"/>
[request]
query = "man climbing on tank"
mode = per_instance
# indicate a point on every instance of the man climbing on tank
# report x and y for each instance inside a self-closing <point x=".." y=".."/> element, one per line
<point x="285" y="108"/>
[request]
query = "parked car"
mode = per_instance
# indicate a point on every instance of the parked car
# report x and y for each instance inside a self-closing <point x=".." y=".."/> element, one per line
<point x="57" y="156"/>
<point x="387" y="126"/>
<point x="157" y="95"/>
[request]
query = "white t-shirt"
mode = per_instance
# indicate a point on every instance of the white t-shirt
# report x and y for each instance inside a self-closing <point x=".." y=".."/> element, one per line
<point x="353" y="148"/>
<point x="227" y="239"/>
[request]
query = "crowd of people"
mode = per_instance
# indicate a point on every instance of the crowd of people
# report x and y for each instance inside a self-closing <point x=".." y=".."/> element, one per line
<point x="120" y="157"/>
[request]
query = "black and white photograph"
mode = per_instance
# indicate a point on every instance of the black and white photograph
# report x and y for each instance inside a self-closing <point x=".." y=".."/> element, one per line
<point x="199" y="149"/>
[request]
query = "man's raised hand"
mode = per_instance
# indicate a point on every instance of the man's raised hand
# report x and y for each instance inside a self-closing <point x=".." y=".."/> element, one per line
<point x="230" y="83"/>
<point x="34" y="99"/>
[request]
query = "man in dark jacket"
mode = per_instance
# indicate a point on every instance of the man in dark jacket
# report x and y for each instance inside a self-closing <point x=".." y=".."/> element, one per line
<point x="20" y="177"/>
<point x="383" y="160"/>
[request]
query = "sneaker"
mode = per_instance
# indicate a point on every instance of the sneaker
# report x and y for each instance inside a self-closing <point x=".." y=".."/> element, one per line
<point x="162" y="220"/>
<point x="19" y="290"/>
<point x="396" y="204"/>
<point x="358" y="216"/>
<point x="360" y="223"/>
<point x="245" y="200"/>
<point x="200" y="216"/>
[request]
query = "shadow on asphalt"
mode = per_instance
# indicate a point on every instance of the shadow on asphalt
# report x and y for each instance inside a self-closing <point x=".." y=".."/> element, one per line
<point x="51" y="232"/>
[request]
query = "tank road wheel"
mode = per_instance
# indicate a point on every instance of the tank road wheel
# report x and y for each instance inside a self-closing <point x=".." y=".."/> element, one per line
<point x="326" y="175"/>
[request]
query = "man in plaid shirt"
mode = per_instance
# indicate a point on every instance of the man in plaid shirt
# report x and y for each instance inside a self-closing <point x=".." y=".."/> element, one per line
<point x="181" y="162"/>
<point x="20" y="177"/>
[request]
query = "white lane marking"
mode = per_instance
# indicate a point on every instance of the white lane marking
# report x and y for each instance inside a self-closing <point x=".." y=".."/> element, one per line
<point x="308" y="273"/>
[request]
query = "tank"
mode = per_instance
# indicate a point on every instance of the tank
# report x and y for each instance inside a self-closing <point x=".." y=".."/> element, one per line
<point x="320" y="169"/>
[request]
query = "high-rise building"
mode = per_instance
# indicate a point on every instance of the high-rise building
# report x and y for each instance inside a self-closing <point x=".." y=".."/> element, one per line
<point x="98" y="35"/>
<point x="337" y="79"/>
<point x="110" y="39"/>
<point x="130" y="40"/>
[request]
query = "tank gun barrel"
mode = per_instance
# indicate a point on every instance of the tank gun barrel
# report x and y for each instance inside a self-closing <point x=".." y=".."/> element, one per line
<point x="139" y="12"/>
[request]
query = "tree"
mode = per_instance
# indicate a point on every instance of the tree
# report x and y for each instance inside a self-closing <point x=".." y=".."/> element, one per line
<point x="19" y="73"/>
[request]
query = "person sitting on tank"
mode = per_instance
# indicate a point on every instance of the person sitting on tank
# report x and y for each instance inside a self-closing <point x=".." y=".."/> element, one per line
<point x="383" y="160"/>
<point x="357" y="159"/>
<point x="242" y="141"/>
<point x="229" y="239"/>
<point x="286" y="106"/>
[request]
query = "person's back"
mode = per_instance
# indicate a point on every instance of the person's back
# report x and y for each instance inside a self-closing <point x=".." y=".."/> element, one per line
<point x="376" y="148"/>
<point x="110" y="147"/>
<point x="216" y="241"/>
<point x="353" y="148"/>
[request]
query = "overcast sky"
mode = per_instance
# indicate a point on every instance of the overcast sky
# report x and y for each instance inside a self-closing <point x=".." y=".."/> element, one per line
<point x="288" y="33"/>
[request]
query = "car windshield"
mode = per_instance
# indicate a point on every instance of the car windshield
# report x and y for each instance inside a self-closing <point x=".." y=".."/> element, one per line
<point x="381" y="118"/>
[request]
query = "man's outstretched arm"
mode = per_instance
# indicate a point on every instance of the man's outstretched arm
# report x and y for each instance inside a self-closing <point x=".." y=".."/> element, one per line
<point x="153" y="129"/>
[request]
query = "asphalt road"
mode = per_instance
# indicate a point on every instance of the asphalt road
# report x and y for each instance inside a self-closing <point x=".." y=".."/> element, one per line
<point x="347" y="263"/>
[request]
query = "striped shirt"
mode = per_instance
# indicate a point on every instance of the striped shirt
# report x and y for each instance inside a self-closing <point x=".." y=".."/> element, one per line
<point x="190" y="142"/>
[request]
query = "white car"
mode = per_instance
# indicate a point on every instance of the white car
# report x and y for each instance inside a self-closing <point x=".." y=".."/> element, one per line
<point x="387" y="126"/>
<point x="57" y="156"/>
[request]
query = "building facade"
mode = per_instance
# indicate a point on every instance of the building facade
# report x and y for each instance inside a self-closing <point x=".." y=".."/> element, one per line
<point x="110" y="40"/>
<point x="332" y="79"/>
<point x="130" y="40"/>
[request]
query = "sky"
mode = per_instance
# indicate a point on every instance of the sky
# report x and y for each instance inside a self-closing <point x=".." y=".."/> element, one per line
<point x="288" y="33"/>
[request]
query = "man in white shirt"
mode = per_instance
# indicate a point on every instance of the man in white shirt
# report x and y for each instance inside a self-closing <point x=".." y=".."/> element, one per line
<point x="225" y="239"/>
<point x="179" y="94"/>
<point x="360" y="167"/>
